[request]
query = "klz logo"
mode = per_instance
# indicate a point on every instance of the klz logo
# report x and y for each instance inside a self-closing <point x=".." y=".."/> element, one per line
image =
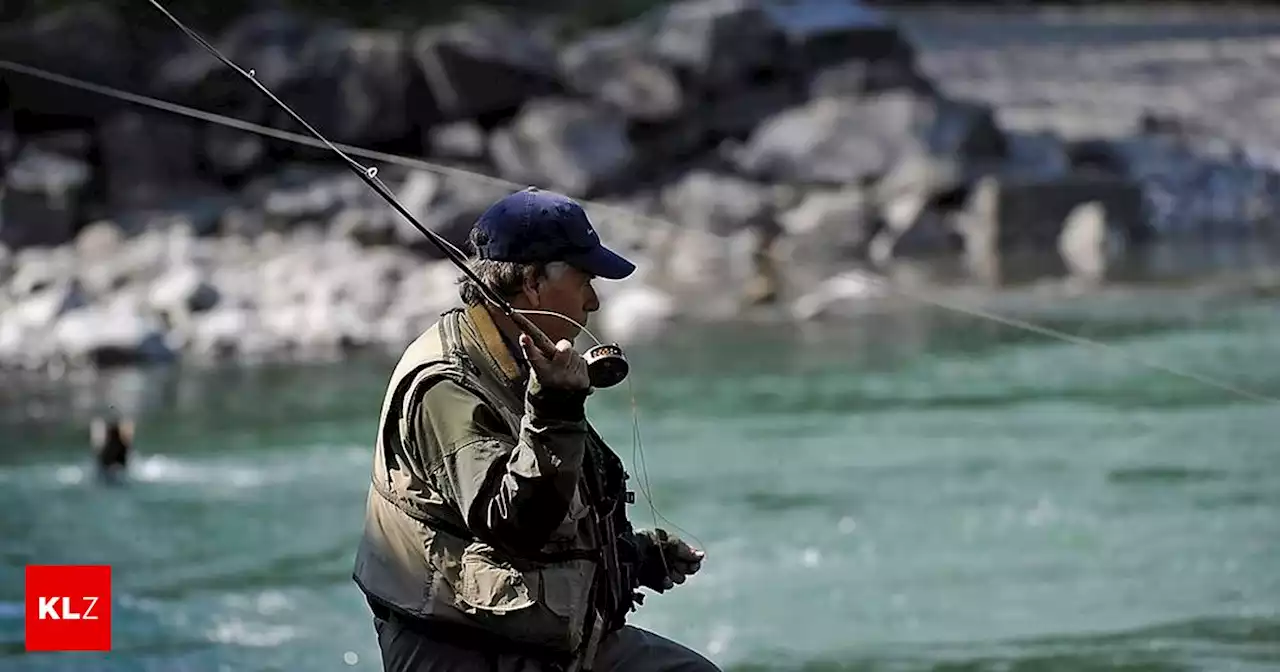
<point x="68" y="608"/>
<point x="49" y="609"/>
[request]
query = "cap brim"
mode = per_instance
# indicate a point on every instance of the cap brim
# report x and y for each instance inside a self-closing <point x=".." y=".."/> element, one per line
<point x="602" y="263"/>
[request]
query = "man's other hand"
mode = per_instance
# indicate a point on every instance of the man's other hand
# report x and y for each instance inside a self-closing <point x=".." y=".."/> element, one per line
<point x="679" y="559"/>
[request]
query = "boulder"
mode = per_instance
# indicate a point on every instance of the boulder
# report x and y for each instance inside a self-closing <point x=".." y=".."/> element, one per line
<point x="454" y="207"/>
<point x="87" y="41"/>
<point x="718" y="203"/>
<point x="134" y="262"/>
<point x="486" y="64"/>
<point x="182" y="291"/>
<point x="735" y="114"/>
<point x="107" y="336"/>
<point x="615" y="67"/>
<point x="378" y="223"/>
<point x="460" y="140"/>
<point x="36" y="268"/>
<point x="304" y="62"/>
<point x="717" y="45"/>
<point x="446" y="204"/>
<point x="41" y="198"/>
<point x="305" y="196"/>
<point x="912" y="228"/>
<point x="662" y="146"/>
<point x="10" y="141"/>
<point x="231" y="154"/>
<point x="826" y="141"/>
<point x="373" y="72"/>
<point x="99" y="241"/>
<point x="268" y="43"/>
<point x="828" y="227"/>
<point x="845" y="141"/>
<point x="150" y="161"/>
<point x="1090" y="242"/>
<point x="1009" y="215"/>
<point x="633" y="223"/>
<point x="710" y="271"/>
<point x="224" y="333"/>
<point x="42" y="308"/>
<point x="567" y="145"/>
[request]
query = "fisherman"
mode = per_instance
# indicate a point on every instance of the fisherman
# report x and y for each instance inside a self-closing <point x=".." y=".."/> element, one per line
<point x="496" y="535"/>
<point x="111" y="440"/>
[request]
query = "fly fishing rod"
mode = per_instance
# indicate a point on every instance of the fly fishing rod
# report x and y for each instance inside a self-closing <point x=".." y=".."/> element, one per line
<point x="606" y="364"/>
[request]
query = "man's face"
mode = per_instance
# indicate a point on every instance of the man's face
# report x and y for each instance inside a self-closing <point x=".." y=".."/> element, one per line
<point x="566" y="291"/>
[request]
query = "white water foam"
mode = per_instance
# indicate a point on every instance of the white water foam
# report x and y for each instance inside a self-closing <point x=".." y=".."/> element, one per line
<point x="236" y="473"/>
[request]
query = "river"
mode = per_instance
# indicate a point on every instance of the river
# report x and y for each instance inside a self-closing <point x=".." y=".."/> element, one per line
<point x="915" y="491"/>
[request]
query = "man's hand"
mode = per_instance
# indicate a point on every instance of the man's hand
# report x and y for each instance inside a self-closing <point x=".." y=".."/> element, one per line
<point x="566" y="370"/>
<point x="672" y="561"/>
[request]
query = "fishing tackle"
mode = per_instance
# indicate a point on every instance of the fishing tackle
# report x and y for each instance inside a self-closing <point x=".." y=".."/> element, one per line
<point x="607" y="366"/>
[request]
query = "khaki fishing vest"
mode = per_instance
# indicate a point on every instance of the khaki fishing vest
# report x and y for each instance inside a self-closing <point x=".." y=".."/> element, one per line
<point x="417" y="555"/>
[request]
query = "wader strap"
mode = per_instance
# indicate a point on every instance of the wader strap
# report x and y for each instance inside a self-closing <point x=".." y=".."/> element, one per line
<point x="593" y="631"/>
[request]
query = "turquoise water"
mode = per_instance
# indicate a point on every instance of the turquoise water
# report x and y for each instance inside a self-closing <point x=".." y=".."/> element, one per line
<point x="913" y="491"/>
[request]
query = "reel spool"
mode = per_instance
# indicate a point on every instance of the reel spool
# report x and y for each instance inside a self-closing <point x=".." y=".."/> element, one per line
<point x="606" y="365"/>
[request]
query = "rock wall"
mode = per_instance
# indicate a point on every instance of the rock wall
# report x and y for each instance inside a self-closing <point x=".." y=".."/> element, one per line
<point x="752" y="151"/>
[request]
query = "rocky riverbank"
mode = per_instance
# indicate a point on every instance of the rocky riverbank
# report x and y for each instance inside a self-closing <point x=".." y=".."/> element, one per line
<point x="745" y="154"/>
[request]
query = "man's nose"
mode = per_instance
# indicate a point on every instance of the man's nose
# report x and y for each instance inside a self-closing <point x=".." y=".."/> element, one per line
<point x="593" y="300"/>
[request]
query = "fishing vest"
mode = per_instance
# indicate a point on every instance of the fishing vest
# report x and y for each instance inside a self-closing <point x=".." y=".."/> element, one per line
<point x="419" y="558"/>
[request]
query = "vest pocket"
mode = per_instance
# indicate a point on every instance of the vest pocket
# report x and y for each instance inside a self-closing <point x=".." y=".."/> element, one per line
<point x="490" y="585"/>
<point x="564" y="590"/>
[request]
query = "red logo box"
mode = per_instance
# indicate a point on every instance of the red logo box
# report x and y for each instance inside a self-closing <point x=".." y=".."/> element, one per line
<point x="68" y="608"/>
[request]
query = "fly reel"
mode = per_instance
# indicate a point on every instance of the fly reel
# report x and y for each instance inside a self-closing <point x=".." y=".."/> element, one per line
<point x="606" y="365"/>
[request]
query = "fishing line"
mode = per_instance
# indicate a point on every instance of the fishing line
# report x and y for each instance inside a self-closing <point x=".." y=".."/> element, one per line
<point x="637" y="443"/>
<point x="369" y="175"/>
<point x="1079" y="340"/>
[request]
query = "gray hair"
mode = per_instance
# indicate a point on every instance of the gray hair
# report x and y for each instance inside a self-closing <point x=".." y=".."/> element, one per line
<point x="505" y="278"/>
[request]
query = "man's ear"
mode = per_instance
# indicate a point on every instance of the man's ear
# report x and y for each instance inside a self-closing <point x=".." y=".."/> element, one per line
<point x="530" y="291"/>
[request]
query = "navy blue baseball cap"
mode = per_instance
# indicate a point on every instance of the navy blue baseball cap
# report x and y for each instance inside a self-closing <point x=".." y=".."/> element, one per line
<point x="537" y="226"/>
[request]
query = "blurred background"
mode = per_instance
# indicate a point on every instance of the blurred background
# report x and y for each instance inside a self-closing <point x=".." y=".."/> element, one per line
<point x="954" y="340"/>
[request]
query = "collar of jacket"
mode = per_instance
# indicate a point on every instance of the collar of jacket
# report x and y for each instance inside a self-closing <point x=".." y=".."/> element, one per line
<point x="495" y="346"/>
